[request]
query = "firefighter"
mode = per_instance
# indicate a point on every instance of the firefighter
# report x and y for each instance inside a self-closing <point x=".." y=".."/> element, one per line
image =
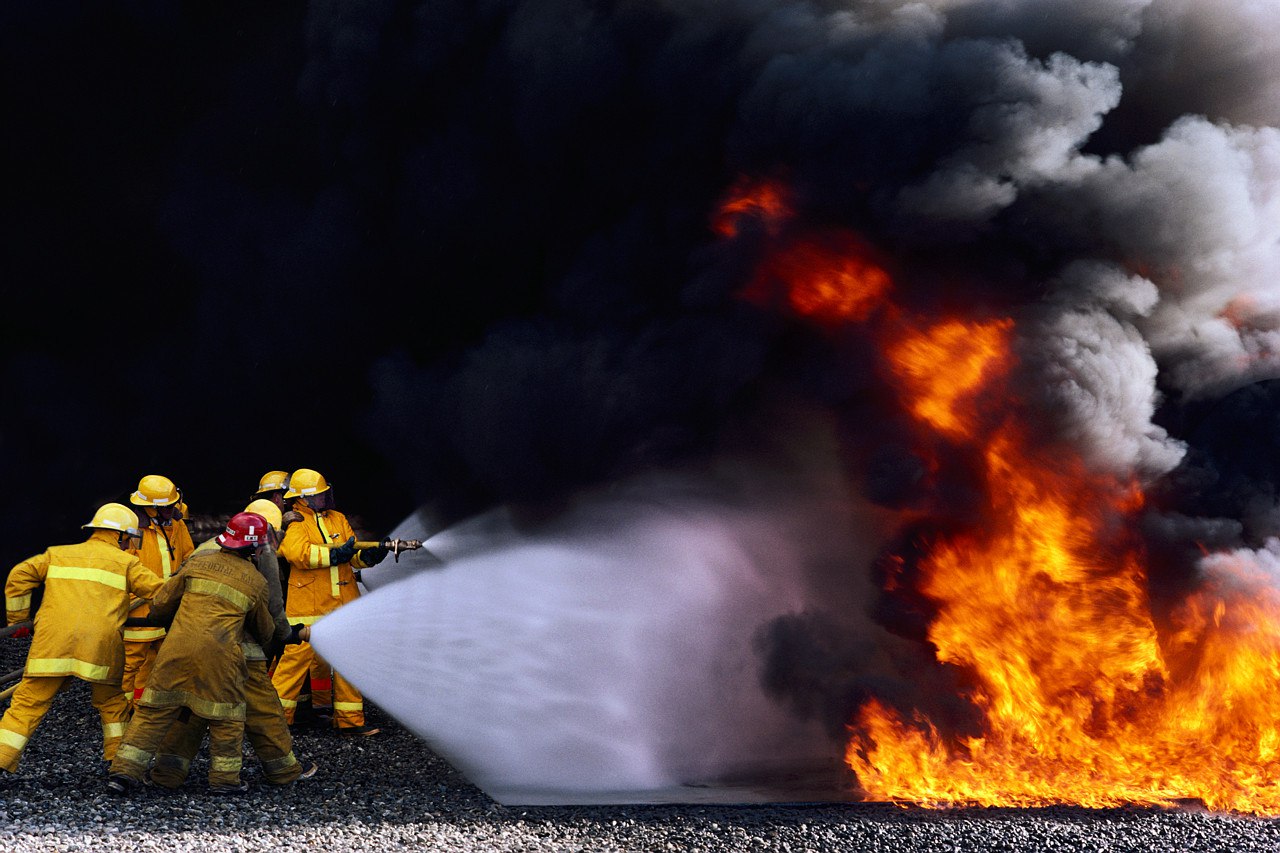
<point x="272" y="487"/>
<point x="87" y="592"/>
<point x="264" y="725"/>
<point x="322" y="559"/>
<point x="166" y="542"/>
<point x="200" y="671"/>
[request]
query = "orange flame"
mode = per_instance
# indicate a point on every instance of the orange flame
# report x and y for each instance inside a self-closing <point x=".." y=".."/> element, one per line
<point x="827" y="276"/>
<point x="763" y="199"/>
<point x="947" y="363"/>
<point x="833" y="284"/>
<point x="1083" y="701"/>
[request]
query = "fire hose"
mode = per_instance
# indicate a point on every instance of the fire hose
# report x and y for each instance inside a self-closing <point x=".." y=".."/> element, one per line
<point x="17" y="673"/>
<point x="394" y="546"/>
<point x="14" y="628"/>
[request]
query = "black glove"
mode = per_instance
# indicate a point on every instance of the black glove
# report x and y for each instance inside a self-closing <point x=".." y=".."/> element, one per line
<point x="343" y="553"/>
<point x="293" y="634"/>
<point x="373" y="556"/>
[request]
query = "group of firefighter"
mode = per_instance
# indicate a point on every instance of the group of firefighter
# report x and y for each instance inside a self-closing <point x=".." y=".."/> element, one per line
<point x="178" y="641"/>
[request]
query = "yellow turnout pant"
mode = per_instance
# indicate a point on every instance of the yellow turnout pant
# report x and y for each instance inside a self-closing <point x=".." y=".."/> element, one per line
<point x="148" y="728"/>
<point x="264" y="727"/>
<point x="291" y="671"/>
<point x="138" y="660"/>
<point x="31" y="701"/>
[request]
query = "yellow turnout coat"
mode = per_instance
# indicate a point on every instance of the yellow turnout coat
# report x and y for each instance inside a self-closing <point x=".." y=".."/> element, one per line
<point x="316" y="586"/>
<point x="87" y="591"/>
<point x="208" y="606"/>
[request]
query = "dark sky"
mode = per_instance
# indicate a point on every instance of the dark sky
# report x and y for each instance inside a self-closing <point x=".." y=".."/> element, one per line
<point x="164" y="313"/>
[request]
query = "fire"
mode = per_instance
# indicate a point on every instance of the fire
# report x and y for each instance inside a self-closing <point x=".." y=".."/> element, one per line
<point x="829" y="281"/>
<point x="947" y="363"/>
<point x="764" y="200"/>
<point x="1082" y="697"/>
<point x="1083" y="701"/>
<point x="825" y="275"/>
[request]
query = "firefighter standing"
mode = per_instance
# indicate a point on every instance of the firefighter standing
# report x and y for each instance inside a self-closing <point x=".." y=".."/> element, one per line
<point x="87" y="592"/>
<point x="321" y="553"/>
<point x="264" y="724"/>
<point x="200" y="670"/>
<point x="166" y="542"/>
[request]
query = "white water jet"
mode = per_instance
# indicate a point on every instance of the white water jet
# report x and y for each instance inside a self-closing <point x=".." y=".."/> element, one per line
<point x="605" y="658"/>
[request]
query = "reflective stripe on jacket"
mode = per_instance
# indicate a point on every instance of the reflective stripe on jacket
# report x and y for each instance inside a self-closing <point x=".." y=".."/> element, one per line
<point x="317" y="587"/>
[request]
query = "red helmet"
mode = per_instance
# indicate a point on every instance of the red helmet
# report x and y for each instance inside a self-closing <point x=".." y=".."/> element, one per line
<point x="244" y="530"/>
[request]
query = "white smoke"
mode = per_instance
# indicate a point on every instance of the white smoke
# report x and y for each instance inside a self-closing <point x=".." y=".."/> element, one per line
<point x="1201" y="209"/>
<point x="1031" y="119"/>
<point x="1095" y="374"/>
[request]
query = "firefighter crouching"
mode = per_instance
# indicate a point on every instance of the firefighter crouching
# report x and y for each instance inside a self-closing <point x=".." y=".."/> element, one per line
<point x="322" y="556"/>
<point x="201" y="670"/>
<point x="264" y="723"/>
<point x="87" y="592"/>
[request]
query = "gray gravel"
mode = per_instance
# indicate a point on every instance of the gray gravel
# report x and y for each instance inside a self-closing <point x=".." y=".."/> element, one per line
<point x="393" y="793"/>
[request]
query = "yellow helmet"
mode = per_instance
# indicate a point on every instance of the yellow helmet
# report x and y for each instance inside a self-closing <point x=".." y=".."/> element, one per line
<point x="305" y="482"/>
<point x="273" y="481"/>
<point x="154" y="490"/>
<point x="267" y="510"/>
<point x="115" y="516"/>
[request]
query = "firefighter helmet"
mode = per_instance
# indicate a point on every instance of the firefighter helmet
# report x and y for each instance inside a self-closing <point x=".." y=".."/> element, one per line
<point x="304" y="482"/>
<point x="115" y="516"/>
<point x="244" y="530"/>
<point x="267" y="510"/>
<point x="273" y="481"/>
<point x="154" y="490"/>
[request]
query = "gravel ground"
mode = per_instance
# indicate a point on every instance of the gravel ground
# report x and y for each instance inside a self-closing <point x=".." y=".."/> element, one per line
<point x="393" y="793"/>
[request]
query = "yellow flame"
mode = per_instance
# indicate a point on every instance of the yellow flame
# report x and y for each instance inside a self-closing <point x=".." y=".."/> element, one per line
<point x="1082" y="699"/>
<point x="945" y="364"/>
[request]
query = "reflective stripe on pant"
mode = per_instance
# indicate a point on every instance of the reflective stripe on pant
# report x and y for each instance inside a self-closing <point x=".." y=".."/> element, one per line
<point x="264" y="727"/>
<point x="291" y="671"/>
<point x="139" y="658"/>
<point x="321" y="683"/>
<point x="31" y="701"/>
<point x="151" y="725"/>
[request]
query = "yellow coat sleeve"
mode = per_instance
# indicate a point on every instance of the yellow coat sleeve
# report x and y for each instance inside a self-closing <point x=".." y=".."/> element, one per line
<point x="23" y="580"/>
<point x="143" y="582"/>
